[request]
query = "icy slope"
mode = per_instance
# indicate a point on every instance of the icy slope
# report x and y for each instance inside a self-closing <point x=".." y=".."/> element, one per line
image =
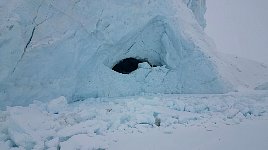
<point x="51" y="48"/>
<point x="181" y="68"/>
<point x="244" y="74"/>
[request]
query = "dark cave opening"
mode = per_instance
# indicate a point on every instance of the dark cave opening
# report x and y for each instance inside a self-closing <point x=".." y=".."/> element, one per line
<point x="129" y="65"/>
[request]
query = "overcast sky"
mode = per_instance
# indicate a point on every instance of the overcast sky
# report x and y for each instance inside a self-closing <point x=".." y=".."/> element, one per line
<point x="239" y="27"/>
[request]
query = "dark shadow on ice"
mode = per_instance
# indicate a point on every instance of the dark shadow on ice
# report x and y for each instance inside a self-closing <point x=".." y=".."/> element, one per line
<point x="129" y="65"/>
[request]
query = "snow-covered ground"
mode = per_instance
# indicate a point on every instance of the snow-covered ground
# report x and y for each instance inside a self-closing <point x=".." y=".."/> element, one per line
<point x="248" y="135"/>
<point x="207" y="121"/>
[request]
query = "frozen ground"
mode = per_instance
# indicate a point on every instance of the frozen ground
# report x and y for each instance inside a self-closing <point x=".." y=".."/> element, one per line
<point x="248" y="135"/>
<point x="224" y="121"/>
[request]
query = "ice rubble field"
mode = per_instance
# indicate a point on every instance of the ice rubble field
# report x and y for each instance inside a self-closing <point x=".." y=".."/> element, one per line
<point x="104" y="123"/>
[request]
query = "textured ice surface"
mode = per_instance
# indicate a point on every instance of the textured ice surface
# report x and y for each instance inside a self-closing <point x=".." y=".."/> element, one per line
<point x="263" y="86"/>
<point x="199" y="9"/>
<point x="95" y="123"/>
<point x="182" y="68"/>
<point x="51" y="48"/>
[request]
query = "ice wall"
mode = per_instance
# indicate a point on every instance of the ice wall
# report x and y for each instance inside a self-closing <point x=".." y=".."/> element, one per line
<point x="198" y="8"/>
<point x="67" y="47"/>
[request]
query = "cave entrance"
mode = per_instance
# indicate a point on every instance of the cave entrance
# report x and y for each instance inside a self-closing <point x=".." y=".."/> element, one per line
<point x="128" y="65"/>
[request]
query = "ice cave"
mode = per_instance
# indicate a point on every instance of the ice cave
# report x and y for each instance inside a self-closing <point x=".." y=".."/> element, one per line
<point x="128" y="65"/>
<point x="55" y="48"/>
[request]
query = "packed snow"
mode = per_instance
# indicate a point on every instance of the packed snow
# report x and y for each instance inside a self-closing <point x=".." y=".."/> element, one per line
<point x="104" y="123"/>
<point x="263" y="86"/>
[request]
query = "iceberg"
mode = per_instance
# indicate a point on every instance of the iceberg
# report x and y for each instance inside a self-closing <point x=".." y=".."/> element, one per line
<point x="69" y="48"/>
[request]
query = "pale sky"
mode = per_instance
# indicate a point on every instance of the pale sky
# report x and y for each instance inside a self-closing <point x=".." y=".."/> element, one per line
<point x="239" y="27"/>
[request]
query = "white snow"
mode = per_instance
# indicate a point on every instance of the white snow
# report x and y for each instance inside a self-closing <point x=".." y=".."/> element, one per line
<point x="263" y="86"/>
<point x="171" y="121"/>
<point x="54" y="106"/>
<point x="244" y="74"/>
<point x="248" y="135"/>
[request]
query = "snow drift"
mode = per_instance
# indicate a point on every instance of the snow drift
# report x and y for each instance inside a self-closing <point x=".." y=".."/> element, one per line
<point x="96" y="123"/>
<point x="51" y="48"/>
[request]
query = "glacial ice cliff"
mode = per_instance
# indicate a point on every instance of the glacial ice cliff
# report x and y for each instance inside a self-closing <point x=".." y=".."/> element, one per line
<point x="68" y="47"/>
